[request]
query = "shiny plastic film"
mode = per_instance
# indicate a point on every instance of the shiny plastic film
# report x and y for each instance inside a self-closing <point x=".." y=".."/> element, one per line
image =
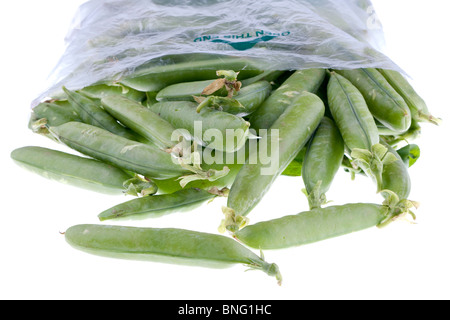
<point x="110" y="40"/>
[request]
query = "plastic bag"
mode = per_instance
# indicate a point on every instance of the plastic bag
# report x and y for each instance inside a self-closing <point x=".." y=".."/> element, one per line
<point x="109" y="39"/>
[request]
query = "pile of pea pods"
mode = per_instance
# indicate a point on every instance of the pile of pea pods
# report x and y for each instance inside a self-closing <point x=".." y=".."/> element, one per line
<point x="140" y="136"/>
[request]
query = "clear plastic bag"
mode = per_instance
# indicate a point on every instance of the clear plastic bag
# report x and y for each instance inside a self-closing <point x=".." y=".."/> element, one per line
<point x="109" y="39"/>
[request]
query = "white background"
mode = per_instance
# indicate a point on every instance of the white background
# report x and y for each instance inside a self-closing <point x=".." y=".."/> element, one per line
<point x="404" y="261"/>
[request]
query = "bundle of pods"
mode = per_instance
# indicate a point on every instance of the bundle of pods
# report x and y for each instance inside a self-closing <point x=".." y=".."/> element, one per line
<point x="144" y="136"/>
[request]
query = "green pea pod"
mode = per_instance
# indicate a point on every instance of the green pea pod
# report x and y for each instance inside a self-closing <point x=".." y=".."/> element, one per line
<point x="312" y="226"/>
<point x="351" y="114"/>
<point x="186" y="91"/>
<point x="130" y="155"/>
<point x="322" y="161"/>
<point x="158" y="205"/>
<point x="245" y="102"/>
<point x="49" y="114"/>
<point x="81" y="172"/>
<point x="227" y="131"/>
<point x="100" y="91"/>
<point x="268" y="76"/>
<point x="141" y="120"/>
<point x="55" y="114"/>
<point x="166" y="245"/>
<point x="417" y="106"/>
<point x="386" y="105"/>
<point x="290" y="132"/>
<point x="156" y="78"/>
<point x="272" y="108"/>
<point x="212" y="160"/>
<point x="91" y="113"/>
<point x="396" y="178"/>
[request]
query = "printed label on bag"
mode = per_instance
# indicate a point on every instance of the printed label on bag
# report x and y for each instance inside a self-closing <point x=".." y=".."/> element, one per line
<point x="250" y="38"/>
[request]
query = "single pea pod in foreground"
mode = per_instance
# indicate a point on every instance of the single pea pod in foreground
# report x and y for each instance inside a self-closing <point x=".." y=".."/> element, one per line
<point x="166" y="245"/>
<point x="312" y="226"/>
<point x="322" y="161"/>
<point x="283" y="141"/>
<point x="81" y="172"/>
<point x="158" y="205"/>
<point x="386" y="105"/>
<point x="272" y="108"/>
<point x="416" y="104"/>
<point x="130" y="155"/>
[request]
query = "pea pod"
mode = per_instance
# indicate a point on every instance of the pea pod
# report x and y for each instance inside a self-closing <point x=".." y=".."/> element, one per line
<point x="156" y="78"/>
<point x="212" y="160"/>
<point x="386" y="105"/>
<point x="187" y="90"/>
<point x="99" y="91"/>
<point x="322" y="161"/>
<point x="206" y="125"/>
<point x="91" y="113"/>
<point x="396" y="179"/>
<point x="313" y="226"/>
<point x="55" y="114"/>
<point x="417" y="106"/>
<point x="244" y="103"/>
<point x="49" y="114"/>
<point x="141" y="120"/>
<point x="351" y="114"/>
<point x="81" y="172"/>
<point x="291" y="132"/>
<point x="158" y="204"/>
<point x="269" y="76"/>
<point x="168" y="245"/>
<point x="131" y="155"/>
<point x="302" y="80"/>
<point x="357" y="126"/>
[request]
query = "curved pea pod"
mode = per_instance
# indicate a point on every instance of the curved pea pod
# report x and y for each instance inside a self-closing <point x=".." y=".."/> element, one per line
<point x="131" y="155"/>
<point x="245" y="102"/>
<point x="313" y="226"/>
<point x="66" y="168"/>
<point x="322" y="161"/>
<point x="396" y="181"/>
<point x="156" y="78"/>
<point x="417" y="106"/>
<point x="91" y="113"/>
<point x="283" y="142"/>
<point x="166" y="245"/>
<point x="141" y="120"/>
<point x="158" y="205"/>
<point x="272" y="108"/>
<point x="211" y="128"/>
<point x="386" y="105"/>
<point x="99" y="91"/>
